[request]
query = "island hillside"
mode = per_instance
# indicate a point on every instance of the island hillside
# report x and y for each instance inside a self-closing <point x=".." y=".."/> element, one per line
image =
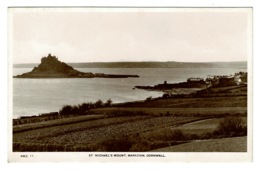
<point x="51" y="67"/>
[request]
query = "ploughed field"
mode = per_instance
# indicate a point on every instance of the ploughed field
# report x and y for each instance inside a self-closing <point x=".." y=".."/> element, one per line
<point x="89" y="135"/>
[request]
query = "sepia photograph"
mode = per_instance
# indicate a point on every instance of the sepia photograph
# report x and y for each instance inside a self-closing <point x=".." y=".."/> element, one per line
<point x="130" y="83"/>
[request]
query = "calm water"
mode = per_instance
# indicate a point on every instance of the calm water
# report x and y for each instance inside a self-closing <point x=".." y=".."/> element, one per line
<point x="35" y="96"/>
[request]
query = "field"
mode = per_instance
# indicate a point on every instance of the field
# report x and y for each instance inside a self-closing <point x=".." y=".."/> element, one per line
<point x="94" y="132"/>
<point x="174" y="124"/>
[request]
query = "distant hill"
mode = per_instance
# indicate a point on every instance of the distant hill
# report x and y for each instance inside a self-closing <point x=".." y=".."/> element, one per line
<point x="169" y="64"/>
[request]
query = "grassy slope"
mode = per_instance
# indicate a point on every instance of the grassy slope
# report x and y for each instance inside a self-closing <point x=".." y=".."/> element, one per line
<point x="235" y="144"/>
<point x="200" y="127"/>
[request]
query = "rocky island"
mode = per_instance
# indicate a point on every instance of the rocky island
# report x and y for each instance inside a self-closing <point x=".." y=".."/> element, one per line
<point x="51" y="67"/>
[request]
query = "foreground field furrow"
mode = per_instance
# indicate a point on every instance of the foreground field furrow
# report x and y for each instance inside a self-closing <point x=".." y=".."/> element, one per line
<point x="40" y="134"/>
<point x="57" y="122"/>
<point x="96" y="135"/>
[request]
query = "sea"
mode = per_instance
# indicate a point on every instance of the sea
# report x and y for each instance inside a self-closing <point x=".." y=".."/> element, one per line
<point x="37" y="96"/>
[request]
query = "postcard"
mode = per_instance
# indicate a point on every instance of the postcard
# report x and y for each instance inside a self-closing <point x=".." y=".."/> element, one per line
<point x="112" y="84"/>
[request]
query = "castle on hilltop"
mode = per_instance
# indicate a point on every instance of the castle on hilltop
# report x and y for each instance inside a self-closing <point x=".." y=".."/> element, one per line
<point x="49" y="58"/>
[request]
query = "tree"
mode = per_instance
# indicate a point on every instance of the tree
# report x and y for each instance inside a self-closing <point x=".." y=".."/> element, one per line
<point x="108" y="102"/>
<point x="75" y="110"/>
<point x="99" y="103"/>
<point x="66" y="110"/>
<point x="83" y="108"/>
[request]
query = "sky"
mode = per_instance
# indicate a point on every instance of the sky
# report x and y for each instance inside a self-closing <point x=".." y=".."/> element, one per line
<point x="108" y="35"/>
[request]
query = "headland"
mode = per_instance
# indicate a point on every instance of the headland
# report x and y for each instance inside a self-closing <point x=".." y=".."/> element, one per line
<point x="200" y="83"/>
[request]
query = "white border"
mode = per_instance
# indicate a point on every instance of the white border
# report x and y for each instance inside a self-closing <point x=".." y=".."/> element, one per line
<point x="183" y="3"/>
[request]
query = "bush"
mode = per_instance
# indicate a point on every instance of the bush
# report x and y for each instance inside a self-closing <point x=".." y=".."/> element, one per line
<point x="165" y="95"/>
<point x="177" y="134"/>
<point x="231" y="126"/>
<point x="81" y="109"/>
<point x="148" y="98"/>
